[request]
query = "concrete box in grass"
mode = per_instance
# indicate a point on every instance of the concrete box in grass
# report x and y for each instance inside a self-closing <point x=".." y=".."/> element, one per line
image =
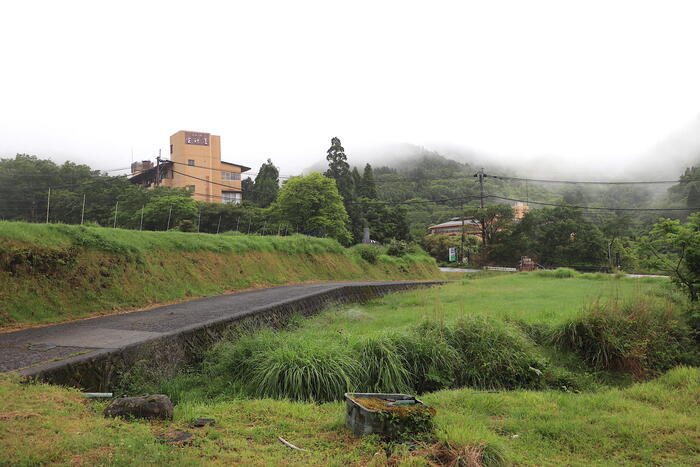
<point x="364" y="421"/>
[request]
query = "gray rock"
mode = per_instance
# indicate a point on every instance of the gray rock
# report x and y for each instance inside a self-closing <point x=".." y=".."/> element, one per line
<point x="154" y="406"/>
<point x="200" y="422"/>
<point x="177" y="437"/>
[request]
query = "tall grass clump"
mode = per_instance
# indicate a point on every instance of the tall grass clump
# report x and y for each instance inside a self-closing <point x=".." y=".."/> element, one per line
<point x="495" y="354"/>
<point x="643" y="336"/>
<point x="559" y="273"/>
<point x="383" y="365"/>
<point x="430" y="360"/>
<point x="273" y="365"/>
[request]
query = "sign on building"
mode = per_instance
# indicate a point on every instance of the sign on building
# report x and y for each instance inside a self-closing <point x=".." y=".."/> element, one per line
<point x="453" y="254"/>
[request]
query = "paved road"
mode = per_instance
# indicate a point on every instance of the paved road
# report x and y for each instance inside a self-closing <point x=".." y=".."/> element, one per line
<point x="459" y="270"/>
<point x="34" y="346"/>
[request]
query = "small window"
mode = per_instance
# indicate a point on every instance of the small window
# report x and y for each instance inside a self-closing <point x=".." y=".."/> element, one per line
<point x="190" y="188"/>
<point x="171" y="149"/>
<point x="231" y="197"/>
<point x="230" y="176"/>
<point x="190" y="162"/>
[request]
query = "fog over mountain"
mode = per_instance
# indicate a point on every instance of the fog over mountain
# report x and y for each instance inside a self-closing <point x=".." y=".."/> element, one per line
<point x="665" y="160"/>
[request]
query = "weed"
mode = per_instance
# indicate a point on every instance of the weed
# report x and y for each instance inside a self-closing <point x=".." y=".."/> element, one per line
<point x="639" y="336"/>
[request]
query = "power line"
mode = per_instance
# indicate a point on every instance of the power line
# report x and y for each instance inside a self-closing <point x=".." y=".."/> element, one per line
<point x="575" y="182"/>
<point x="597" y="208"/>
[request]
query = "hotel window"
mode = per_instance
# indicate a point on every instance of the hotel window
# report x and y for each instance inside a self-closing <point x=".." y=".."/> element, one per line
<point x="231" y="197"/>
<point x="230" y="176"/>
<point x="190" y="162"/>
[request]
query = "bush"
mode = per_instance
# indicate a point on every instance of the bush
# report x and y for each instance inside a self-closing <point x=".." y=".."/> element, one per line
<point x="643" y="337"/>
<point x="368" y="253"/>
<point x="559" y="273"/>
<point x="397" y="248"/>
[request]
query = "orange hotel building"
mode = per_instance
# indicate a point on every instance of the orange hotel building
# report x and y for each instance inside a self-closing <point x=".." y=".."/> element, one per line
<point x="195" y="163"/>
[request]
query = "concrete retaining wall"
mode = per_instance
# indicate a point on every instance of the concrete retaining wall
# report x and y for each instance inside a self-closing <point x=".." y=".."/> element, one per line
<point x="100" y="370"/>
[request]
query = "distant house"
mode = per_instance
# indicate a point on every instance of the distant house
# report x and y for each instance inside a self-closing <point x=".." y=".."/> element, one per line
<point x="471" y="224"/>
<point x="195" y="163"/>
<point x="454" y="227"/>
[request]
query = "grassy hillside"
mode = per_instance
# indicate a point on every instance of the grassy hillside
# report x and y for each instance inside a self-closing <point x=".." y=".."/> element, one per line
<point x="51" y="273"/>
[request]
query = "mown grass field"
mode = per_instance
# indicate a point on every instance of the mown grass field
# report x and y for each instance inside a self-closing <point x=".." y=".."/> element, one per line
<point x="51" y="272"/>
<point x="616" y="419"/>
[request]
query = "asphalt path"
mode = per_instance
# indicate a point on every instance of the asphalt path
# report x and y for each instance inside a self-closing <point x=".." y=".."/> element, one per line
<point x="40" y="345"/>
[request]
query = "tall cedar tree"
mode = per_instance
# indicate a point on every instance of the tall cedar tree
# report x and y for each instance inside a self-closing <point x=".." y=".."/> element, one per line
<point x="247" y="187"/>
<point x="267" y="184"/>
<point x="368" y="188"/>
<point x="356" y="181"/>
<point x="339" y="170"/>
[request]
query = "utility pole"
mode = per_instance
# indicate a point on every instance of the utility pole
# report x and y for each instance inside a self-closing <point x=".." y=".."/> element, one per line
<point x="218" y="225"/>
<point x="158" y="169"/>
<point x="169" y="214"/>
<point x="481" y="204"/>
<point x="141" y="224"/>
<point x="48" y="205"/>
<point x="461" y="245"/>
<point x="82" y="213"/>
<point x="199" y="219"/>
<point x="116" y="209"/>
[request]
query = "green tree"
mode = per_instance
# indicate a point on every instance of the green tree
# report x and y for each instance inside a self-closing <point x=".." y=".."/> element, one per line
<point x="247" y="186"/>
<point x="176" y="207"/>
<point x="494" y="220"/>
<point x="314" y="205"/>
<point x="367" y="186"/>
<point x="674" y="248"/>
<point x="339" y="169"/>
<point x="693" y="200"/>
<point x="385" y="222"/>
<point x="557" y="237"/>
<point x="266" y="184"/>
<point x="356" y="181"/>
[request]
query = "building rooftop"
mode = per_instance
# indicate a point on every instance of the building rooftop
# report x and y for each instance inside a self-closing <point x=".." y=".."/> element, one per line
<point x="456" y="222"/>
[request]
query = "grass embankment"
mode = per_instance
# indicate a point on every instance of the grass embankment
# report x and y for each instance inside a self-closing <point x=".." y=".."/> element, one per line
<point x="51" y="273"/>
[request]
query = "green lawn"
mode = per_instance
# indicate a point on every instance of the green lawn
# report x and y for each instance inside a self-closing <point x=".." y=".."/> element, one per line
<point x="524" y="297"/>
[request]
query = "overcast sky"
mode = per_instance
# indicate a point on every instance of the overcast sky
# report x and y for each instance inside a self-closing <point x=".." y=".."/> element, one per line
<point x="587" y="82"/>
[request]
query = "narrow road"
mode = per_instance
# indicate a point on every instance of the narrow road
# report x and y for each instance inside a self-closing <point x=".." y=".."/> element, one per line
<point x="42" y="346"/>
<point x="459" y="270"/>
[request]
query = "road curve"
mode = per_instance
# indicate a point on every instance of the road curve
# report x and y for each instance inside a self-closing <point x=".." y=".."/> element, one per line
<point x="31" y="351"/>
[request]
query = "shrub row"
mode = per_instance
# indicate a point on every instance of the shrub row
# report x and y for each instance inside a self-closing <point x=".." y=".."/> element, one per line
<point x="476" y="351"/>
